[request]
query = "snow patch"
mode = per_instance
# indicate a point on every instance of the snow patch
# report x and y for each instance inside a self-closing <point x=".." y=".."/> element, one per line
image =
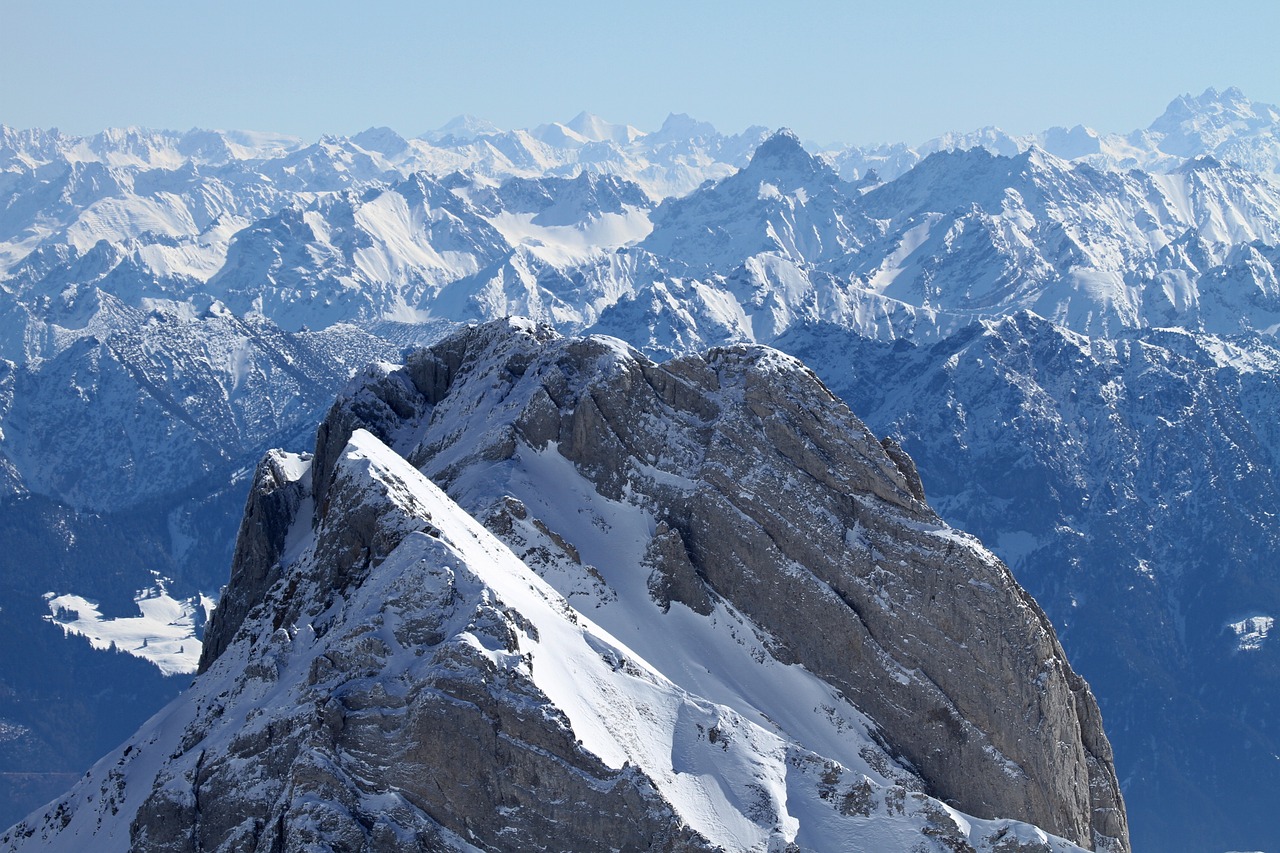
<point x="166" y="634"/>
<point x="1251" y="632"/>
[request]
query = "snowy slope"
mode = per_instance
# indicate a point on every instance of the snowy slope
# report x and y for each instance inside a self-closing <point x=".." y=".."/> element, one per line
<point x="479" y="412"/>
<point x="124" y="379"/>
<point x="376" y="227"/>
<point x="968" y="235"/>
<point x="449" y="608"/>
<point x="166" y="633"/>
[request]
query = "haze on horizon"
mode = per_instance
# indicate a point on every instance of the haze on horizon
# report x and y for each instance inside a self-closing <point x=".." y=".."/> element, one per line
<point x="833" y="71"/>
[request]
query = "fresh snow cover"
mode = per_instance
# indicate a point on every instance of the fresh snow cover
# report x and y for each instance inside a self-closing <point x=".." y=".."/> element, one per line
<point x="618" y="699"/>
<point x="106" y="242"/>
<point x="166" y="634"/>
<point x="566" y="244"/>
<point x="1251" y="632"/>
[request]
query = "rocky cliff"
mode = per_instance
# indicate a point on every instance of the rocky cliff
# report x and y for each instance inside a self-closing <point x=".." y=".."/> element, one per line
<point x="722" y="617"/>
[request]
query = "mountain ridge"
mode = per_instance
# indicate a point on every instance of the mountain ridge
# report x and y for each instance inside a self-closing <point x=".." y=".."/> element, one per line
<point x="115" y="286"/>
<point x="308" y="600"/>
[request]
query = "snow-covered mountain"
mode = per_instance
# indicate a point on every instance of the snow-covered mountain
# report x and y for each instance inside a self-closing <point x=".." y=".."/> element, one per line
<point x="385" y="674"/>
<point x="967" y="236"/>
<point x="171" y="304"/>
<point x="1224" y="125"/>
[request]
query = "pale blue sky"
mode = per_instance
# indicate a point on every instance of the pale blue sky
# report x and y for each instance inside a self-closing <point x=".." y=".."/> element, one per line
<point x="851" y="71"/>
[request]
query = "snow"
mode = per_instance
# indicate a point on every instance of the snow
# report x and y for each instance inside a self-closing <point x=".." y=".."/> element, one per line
<point x="722" y="680"/>
<point x="165" y="634"/>
<point x="1076" y="246"/>
<point x="566" y="244"/>
<point x="621" y="713"/>
<point x="739" y="745"/>
<point x="1251" y="632"/>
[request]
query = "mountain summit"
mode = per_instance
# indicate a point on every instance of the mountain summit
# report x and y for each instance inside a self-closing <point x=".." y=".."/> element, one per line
<point x="173" y="303"/>
<point x="721" y="616"/>
<point x="783" y="157"/>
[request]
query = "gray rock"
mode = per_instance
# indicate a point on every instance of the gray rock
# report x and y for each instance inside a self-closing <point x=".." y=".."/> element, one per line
<point x="785" y="506"/>
<point x="273" y="503"/>
<point x="458" y="753"/>
<point x="373" y="684"/>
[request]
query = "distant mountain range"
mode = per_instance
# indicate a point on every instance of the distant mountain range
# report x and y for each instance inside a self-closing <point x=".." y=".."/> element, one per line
<point x="1071" y="333"/>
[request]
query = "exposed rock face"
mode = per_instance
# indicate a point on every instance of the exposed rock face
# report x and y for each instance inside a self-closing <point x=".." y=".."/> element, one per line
<point x="778" y="500"/>
<point x="369" y="763"/>
<point x="760" y="637"/>
<point x="352" y="709"/>
<point x="1097" y="466"/>
<point x="274" y="500"/>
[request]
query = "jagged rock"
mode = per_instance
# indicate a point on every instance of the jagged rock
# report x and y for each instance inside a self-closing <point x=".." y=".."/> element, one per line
<point x="905" y="465"/>
<point x="274" y="500"/>
<point x="791" y="511"/>
<point x="674" y="577"/>
<point x="826" y="663"/>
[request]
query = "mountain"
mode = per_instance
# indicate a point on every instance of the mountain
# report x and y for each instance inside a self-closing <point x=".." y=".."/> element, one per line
<point x="785" y="201"/>
<point x="464" y="128"/>
<point x="1224" y="125"/>
<point x="1127" y="481"/>
<point x="125" y="457"/>
<point x="163" y="320"/>
<point x="654" y="682"/>
<point x="963" y="236"/>
<point x="162" y="401"/>
<point x="974" y="235"/>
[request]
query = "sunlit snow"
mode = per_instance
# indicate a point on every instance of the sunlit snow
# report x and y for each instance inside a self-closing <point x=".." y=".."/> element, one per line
<point x="165" y="634"/>
<point x="1251" y="632"/>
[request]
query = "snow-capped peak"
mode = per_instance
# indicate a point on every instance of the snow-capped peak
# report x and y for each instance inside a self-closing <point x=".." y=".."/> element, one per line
<point x="782" y="159"/>
<point x="464" y="128"/>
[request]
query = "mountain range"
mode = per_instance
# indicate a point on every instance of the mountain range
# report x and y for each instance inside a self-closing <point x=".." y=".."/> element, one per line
<point x="1072" y="335"/>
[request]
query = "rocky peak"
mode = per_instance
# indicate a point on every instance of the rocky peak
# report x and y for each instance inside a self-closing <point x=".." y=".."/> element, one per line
<point x="1211" y="105"/>
<point x="683" y="127"/>
<point x="756" y="466"/>
<point x="785" y="202"/>
<point x="463" y="128"/>
<point x="782" y="157"/>
<point x="721" y="617"/>
<point x="383" y="140"/>
<point x="1197" y="124"/>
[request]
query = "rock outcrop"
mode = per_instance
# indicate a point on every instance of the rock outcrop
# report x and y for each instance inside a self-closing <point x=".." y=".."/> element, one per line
<point x="722" y="618"/>
<point x="790" y="510"/>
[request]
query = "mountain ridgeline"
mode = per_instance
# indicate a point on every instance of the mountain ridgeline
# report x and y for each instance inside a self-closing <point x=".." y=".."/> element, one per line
<point x="680" y="542"/>
<point x="1070" y="333"/>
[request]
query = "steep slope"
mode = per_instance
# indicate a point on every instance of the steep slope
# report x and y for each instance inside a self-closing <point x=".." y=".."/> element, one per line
<point x="983" y="236"/>
<point x="1129" y="483"/>
<point x="371" y="719"/>
<point x="378" y="651"/>
<point x="785" y="202"/>
<point x="705" y="445"/>
<point x="126" y="452"/>
<point x="160" y="400"/>
<point x="962" y="236"/>
<point x="119" y="254"/>
<point x="1225" y="125"/>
